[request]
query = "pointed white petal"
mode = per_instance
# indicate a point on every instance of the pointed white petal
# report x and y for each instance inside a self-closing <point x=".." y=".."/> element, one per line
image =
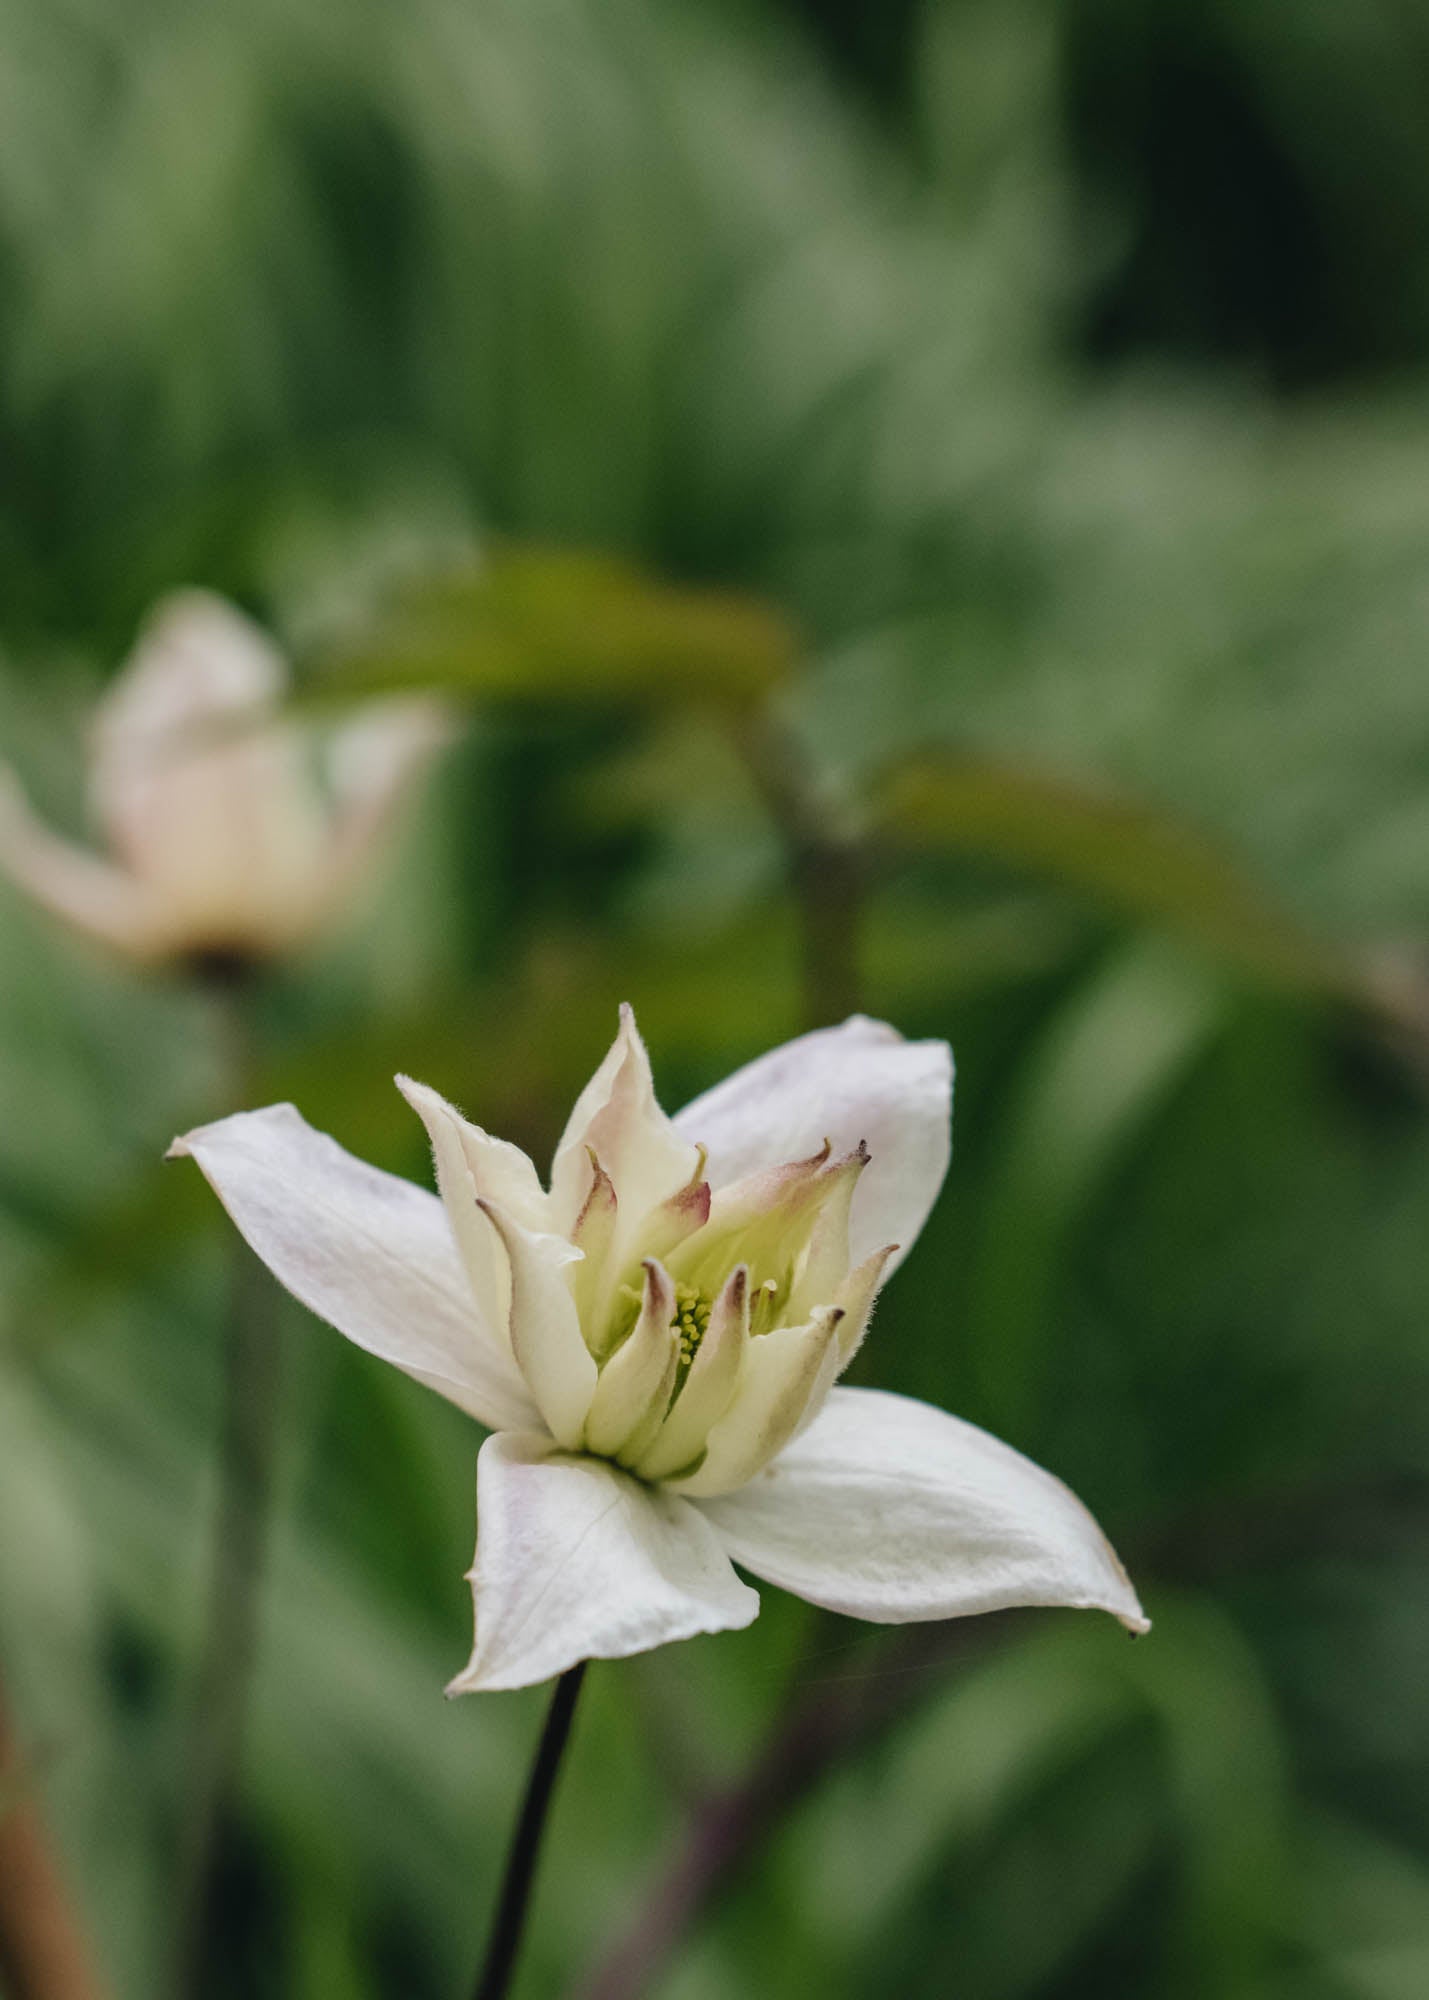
<point x="545" y="1326"/>
<point x="482" y="1250"/>
<point x="857" y="1081"/>
<point x="371" y="1254"/>
<point x="635" y="1384"/>
<point x="857" y="1295"/>
<point x="594" y="1235"/>
<point x="618" y="1117"/>
<point x="892" y="1510"/>
<point x="575" y="1560"/>
<point x="95" y="897"/>
<point x="499" y="1171"/>
<point x="786" y="1373"/>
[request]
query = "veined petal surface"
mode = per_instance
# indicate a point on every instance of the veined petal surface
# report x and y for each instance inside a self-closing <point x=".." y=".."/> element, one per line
<point x="859" y="1081"/>
<point x="370" y="1253"/>
<point x="575" y="1560"/>
<point x="891" y="1510"/>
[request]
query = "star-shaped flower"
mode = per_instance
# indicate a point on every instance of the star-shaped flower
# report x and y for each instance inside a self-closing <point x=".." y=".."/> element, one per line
<point x="654" y="1341"/>
<point x="223" y="845"/>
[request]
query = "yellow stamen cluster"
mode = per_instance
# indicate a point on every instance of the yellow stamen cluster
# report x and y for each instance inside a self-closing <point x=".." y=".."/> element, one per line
<point x="692" y="1318"/>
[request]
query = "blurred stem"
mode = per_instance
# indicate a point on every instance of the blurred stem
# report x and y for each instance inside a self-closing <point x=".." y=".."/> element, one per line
<point x="826" y="867"/>
<point x="245" y="1477"/>
<point x="828" y="1721"/>
<point x="516" y="1883"/>
<point x="43" y="1955"/>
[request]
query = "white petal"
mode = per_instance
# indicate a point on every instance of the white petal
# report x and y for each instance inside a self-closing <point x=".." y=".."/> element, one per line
<point x="575" y="1560"/>
<point x="618" y="1117"/>
<point x="857" y="1081"/>
<point x="103" y="901"/>
<point x="892" y="1510"/>
<point x="371" y="1254"/>
<point x="786" y="1373"/>
<point x="482" y="1250"/>
<point x="546" y="1336"/>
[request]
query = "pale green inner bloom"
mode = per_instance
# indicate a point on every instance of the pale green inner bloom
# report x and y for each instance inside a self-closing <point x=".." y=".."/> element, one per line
<point x="680" y="1324"/>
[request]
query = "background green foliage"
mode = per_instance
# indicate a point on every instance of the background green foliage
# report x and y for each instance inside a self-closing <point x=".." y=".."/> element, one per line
<point x="1030" y="393"/>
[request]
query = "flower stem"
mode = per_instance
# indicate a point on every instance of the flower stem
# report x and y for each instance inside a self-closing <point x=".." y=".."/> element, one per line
<point x="510" y="1921"/>
<point x="245" y="1477"/>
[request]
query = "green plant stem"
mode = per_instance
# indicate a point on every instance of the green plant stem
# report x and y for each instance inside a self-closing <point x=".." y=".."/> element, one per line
<point x="509" y="1923"/>
<point x="246" y="1452"/>
<point x="826" y="866"/>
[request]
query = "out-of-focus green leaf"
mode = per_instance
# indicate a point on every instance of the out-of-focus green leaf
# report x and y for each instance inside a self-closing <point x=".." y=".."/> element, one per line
<point x="533" y="624"/>
<point x="1108" y="1061"/>
<point x="1131" y="856"/>
<point x="1364" y="1906"/>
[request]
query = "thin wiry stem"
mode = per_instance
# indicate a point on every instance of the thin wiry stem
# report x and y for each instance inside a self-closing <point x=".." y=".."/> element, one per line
<point x="516" y="1884"/>
<point x="246" y="1454"/>
<point x="43" y="1952"/>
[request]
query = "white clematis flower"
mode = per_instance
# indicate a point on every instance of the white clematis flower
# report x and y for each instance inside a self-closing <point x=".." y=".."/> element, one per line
<point x="222" y="843"/>
<point x="655" y="1340"/>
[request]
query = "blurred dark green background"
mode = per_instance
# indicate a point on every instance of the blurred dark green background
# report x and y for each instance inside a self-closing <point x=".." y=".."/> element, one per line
<point x="1060" y="370"/>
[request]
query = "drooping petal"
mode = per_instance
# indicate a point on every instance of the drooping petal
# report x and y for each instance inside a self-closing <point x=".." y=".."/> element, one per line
<point x="575" y="1560"/>
<point x="618" y="1117"/>
<point x="371" y="1254"/>
<point x="708" y="1388"/>
<point x="104" y="902"/>
<point x="635" y="1384"/>
<point x="481" y="1248"/>
<point x="891" y="1510"/>
<point x="785" y="1373"/>
<point x="858" y="1081"/>
<point x="546" y="1334"/>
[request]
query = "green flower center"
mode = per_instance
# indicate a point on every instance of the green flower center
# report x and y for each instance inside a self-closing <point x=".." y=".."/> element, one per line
<point x="691" y="1321"/>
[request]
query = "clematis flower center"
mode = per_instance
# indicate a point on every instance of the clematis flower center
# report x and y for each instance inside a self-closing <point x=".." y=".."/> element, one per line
<point x="691" y="1321"/>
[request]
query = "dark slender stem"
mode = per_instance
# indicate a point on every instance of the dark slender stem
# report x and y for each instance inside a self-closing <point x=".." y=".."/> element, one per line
<point x="246" y="1453"/>
<point x="43" y="1951"/>
<point x="516" y="1884"/>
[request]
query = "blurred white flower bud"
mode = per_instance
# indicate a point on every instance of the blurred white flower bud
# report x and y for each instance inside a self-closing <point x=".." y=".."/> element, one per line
<point x="224" y="842"/>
